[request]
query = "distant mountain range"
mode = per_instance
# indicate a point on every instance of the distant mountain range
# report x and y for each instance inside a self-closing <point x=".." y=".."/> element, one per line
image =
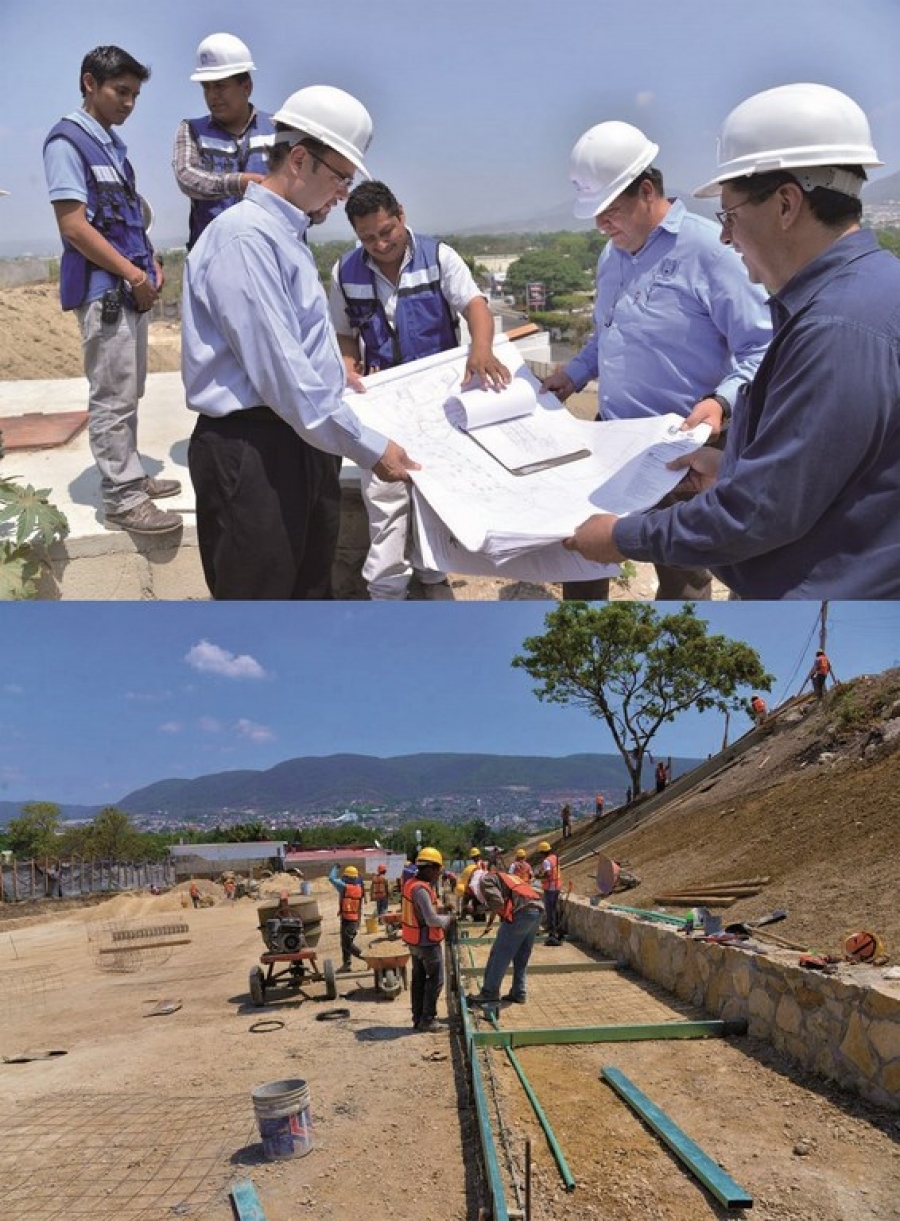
<point x="304" y="785"/>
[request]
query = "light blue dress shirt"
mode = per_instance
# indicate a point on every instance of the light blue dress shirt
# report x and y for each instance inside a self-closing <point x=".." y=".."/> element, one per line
<point x="675" y="322"/>
<point x="256" y="330"/>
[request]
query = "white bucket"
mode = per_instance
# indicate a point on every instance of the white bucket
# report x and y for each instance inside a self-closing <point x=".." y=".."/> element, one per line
<point x="284" y="1119"/>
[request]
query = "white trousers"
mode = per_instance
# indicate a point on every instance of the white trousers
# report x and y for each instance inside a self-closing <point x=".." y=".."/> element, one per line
<point x="393" y="556"/>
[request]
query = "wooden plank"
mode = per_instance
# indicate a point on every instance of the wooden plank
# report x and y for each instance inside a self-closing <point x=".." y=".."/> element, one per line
<point x="697" y="900"/>
<point x="700" y="1164"/>
<point x="246" y="1201"/>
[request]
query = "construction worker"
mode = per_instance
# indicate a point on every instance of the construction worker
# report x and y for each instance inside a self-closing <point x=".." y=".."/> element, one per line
<point x="678" y="326"/>
<point x="520" y="908"/>
<point x="216" y="157"/>
<point x="396" y="297"/>
<point x="422" y="928"/>
<point x="110" y="276"/>
<point x="262" y="369"/>
<point x="799" y="505"/>
<point x="551" y="882"/>
<point x="521" y="867"/>
<point x="380" y="890"/>
<point x="662" y="776"/>
<point x="758" y="709"/>
<point x="566" y="819"/>
<point x="820" y="672"/>
<point x="351" y="894"/>
<point x="599" y="805"/>
<point x="194" y="892"/>
<point x="463" y="894"/>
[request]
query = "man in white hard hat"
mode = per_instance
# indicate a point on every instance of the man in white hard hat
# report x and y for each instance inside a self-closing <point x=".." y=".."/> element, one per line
<point x="398" y="296"/>
<point x="805" y="500"/>
<point x="678" y="327"/>
<point x="217" y="156"/>
<point x="262" y="368"/>
<point x="110" y="277"/>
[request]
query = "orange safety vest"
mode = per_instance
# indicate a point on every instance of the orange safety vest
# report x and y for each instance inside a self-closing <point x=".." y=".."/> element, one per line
<point x="821" y="665"/>
<point x="522" y="869"/>
<point x="380" y="886"/>
<point x="195" y="890"/>
<point x="518" y="887"/>
<point x="412" y="932"/>
<point x="551" y="880"/>
<point x="351" y="901"/>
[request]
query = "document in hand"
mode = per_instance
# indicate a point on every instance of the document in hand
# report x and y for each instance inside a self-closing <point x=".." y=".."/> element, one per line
<point x="514" y="428"/>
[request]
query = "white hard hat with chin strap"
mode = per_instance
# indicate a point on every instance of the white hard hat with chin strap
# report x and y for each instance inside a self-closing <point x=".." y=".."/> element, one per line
<point x="329" y="115"/>
<point x="811" y="131"/>
<point x="220" y="56"/>
<point x="606" y="160"/>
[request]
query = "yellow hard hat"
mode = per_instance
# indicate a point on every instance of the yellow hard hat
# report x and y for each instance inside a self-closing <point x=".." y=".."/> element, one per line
<point x="520" y="854"/>
<point x="474" y="853"/>
<point x="430" y="856"/>
<point x="543" y="846"/>
<point x="351" y="872"/>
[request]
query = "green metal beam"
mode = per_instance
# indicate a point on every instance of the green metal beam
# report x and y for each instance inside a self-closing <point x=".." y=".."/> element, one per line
<point x="246" y="1201"/>
<point x="535" y="1037"/>
<point x="710" y="1174"/>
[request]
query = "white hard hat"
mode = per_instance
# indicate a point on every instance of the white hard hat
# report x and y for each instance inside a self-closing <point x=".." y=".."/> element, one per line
<point x="220" y="56"/>
<point x="332" y="116"/>
<point x="792" y="127"/>
<point x="605" y="161"/>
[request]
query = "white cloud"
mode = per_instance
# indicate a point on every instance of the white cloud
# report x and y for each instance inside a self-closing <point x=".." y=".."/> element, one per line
<point x="209" y="724"/>
<point x="644" y="99"/>
<point x="13" y="689"/>
<point x="210" y="659"/>
<point x="256" y="733"/>
<point x="171" y="727"/>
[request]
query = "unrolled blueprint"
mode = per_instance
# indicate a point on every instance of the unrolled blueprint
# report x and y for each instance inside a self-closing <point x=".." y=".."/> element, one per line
<point x="514" y="525"/>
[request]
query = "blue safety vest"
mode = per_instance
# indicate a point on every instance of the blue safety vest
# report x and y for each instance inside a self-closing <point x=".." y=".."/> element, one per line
<point x="113" y="208"/>
<point x="424" y="323"/>
<point x="223" y="153"/>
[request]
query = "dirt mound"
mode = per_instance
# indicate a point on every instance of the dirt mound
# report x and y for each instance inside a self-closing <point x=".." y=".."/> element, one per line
<point x="38" y="341"/>
<point x="811" y="806"/>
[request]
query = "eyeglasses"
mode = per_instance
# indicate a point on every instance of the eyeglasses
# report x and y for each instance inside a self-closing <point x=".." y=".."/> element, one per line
<point x="345" y="181"/>
<point x="726" y="218"/>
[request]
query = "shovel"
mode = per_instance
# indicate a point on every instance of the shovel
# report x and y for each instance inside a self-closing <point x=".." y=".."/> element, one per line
<point x="746" y="927"/>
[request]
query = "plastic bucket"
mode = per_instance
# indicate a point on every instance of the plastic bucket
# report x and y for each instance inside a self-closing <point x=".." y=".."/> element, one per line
<point x="371" y="924"/>
<point x="305" y="888"/>
<point x="284" y="1119"/>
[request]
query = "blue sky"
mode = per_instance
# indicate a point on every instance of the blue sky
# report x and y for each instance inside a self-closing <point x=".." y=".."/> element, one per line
<point x="476" y="103"/>
<point x="97" y="699"/>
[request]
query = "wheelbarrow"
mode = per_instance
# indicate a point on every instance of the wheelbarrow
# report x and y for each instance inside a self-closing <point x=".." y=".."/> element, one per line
<point x="291" y="970"/>
<point x="390" y="972"/>
<point x="391" y="922"/>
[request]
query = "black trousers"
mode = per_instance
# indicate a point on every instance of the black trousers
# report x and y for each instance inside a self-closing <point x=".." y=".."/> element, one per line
<point x="268" y="508"/>
<point x="427" y="981"/>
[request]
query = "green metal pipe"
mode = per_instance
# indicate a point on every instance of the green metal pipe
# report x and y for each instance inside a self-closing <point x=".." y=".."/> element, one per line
<point x="607" y="1034"/>
<point x="542" y="1119"/>
<point x="680" y="921"/>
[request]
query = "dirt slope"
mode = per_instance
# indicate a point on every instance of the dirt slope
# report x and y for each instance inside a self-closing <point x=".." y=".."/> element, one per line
<point x="812" y="805"/>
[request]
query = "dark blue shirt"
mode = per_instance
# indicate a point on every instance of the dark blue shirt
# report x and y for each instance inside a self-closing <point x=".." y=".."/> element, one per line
<point x="807" y="503"/>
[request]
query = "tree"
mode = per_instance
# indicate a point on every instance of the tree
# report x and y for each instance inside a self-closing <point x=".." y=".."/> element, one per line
<point x="112" y="836"/>
<point x="559" y="273"/>
<point x="636" y="670"/>
<point x="35" y="834"/>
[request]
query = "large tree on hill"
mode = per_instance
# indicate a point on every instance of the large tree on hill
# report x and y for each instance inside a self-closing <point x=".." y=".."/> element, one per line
<point x="636" y="670"/>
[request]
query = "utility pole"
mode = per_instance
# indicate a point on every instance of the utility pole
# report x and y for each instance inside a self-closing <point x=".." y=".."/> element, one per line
<point x="823" y="626"/>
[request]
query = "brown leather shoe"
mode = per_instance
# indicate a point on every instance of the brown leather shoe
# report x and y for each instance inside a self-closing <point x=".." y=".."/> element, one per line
<point x="144" y="518"/>
<point x="159" y="488"/>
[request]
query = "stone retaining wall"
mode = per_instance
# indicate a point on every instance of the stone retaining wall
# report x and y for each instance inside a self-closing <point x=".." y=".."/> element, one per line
<point x="844" y="1027"/>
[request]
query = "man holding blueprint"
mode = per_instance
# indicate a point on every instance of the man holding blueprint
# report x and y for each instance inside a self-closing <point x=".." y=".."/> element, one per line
<point x="396" y="298"/>
<point x="678" y="326"/>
